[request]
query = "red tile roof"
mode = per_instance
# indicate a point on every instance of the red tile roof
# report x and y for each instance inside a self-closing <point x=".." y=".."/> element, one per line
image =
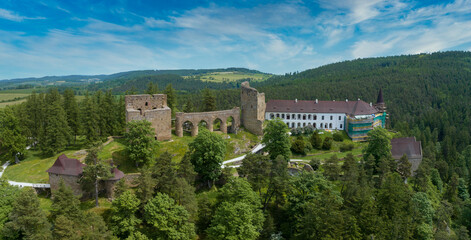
<point x="117" y="174"/>
<point x="66" y="166"/>
<point x="301" y="106"/>
<point x="408" y="146"/>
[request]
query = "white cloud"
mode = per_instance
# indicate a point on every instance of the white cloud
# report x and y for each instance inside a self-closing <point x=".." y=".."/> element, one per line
<point x="9" y="15"/>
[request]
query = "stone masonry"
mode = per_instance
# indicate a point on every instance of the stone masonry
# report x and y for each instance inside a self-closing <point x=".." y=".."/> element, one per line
<point x="253" y="109"/>
<point x="152" y="108"/>
<point x="209" y="118"/>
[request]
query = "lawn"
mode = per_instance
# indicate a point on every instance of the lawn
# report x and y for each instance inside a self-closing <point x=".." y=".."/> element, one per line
<point x="33" y="168"/>
<point x="233" y="76"/>
<point x="335" y="150"/>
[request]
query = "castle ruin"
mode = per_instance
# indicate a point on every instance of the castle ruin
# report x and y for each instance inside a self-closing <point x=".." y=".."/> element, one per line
<point x="152" y="108"/>
<point x="253" y="109"/>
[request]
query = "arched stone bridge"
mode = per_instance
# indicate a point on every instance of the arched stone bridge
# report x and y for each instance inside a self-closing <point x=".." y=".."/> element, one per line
<point x="210" y="118"/>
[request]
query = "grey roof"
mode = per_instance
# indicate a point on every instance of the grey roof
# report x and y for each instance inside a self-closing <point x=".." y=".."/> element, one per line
<point x="408" y="146"/>
<point x="302" y="106"/>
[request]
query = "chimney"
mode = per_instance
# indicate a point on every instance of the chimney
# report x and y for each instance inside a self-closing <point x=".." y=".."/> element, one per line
<point x="371" y="104"/>
<point x="317" y="101"/>
<point x="346" y="100"/>
<point x="296" y="100"/>
<point x="334" y="100"/>
<point x="358" y="99"/>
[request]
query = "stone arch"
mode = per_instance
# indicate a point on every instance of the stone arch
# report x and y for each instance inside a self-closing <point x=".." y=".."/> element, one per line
<point x="188" y="127"/>
<point x="203" y="123"/>
<point x="230" y="125"/>
<point x="217" y="124"/>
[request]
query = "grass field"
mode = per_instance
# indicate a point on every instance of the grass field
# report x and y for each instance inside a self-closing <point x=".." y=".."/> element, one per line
<point x="233" y="76"/>
<point x="33" y="167"/>
<point x="11" y="96"/>
<point x="4" y="104"/>
<point x="335" y="150"/>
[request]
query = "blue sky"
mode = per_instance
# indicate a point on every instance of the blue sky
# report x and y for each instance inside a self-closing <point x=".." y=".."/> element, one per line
<point x="49" y="37"/>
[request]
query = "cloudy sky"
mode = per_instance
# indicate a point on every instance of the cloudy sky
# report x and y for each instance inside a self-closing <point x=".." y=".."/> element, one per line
<point x="49" y="37"/>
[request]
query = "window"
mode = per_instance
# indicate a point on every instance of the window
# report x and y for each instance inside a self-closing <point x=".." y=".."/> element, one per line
<point x="293" y="116"/>
<point x="288" y="116"/>
<point x="304" y="117"/>
<point x="309" y="117"/>
<point x="322" y="125"/>
<point x="322" y="117"/>
<point x="304" y="124"/>
<point x="315" y="117"/>
<point x="292" y="125"/>
<point x="330" y="125"/>
<point x="314" y="125"/>
<point x="283" y="116"/>
<point x="299" y="124"/>
<point x="340" y="117"/>
<point x="277" y="115"/>
<point x="340" y="126"/>
<point x="272" y="115"/>
<point x="299" y="116"/>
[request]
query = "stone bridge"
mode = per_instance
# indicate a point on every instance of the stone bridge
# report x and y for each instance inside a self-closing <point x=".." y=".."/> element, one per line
<point x="192" y="120"/>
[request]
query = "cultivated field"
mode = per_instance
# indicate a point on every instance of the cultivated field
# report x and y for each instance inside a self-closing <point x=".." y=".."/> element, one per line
<point x="233" y="76"/>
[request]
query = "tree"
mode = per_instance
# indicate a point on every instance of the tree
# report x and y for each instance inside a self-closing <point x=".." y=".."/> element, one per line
<point x="299" y="146"/>
<point x="238" y="215"/>
<point x="332" y="168"/>
<point x="234" y="221"/>
<point x="146" y="185"/>
<point x="404" y="167"/>
<point x="12" y="140"/>
<point x="123" y="214"/>
<point x="72" y="111"/>
<point x="186" y="169"/>
<point x="152" y="88"/>
<point x="327" y="144"/>
<point x="55" y="133"/>
<point x="207" y="153"/>
<point x="256" y="168"/>
<point x="167" y="220"/>
<point x="379" y="144"/>
<point x="171" y="98"/>
<point x="95" y="171"/>
<point x="65" y="204"/>
<point x="9" y="194"/>
<point x="209" y="101"/>
<point x="27" y="220"/>
<point x="164" y="173"/>
<point x="189" y="107"/>
<point x="316" y="140"/>
<point x="140" y="141"/>
<point x="90" y="118"/>
<point x="276" y="139"/>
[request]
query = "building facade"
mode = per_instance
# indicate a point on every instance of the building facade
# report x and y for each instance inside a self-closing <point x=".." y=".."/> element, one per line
<point x="357" y="118"/>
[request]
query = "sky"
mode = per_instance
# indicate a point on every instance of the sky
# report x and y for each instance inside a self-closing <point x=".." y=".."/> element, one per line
<point x="51" y="37"/>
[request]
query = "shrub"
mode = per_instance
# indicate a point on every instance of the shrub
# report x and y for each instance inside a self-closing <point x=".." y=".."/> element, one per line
<point x="316" y="140"/>
<point x="327" y="144"/>
<point x="315" y="163"/>
<point x="338" y="136"/>
<point x="299" y="146"/>
<point x="296" y="131"/>
<point x="308" y="129"/>
<point x="346" y="147"/>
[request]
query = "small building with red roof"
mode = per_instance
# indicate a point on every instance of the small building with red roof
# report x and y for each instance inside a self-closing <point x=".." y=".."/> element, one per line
<point x="70" y="171"/>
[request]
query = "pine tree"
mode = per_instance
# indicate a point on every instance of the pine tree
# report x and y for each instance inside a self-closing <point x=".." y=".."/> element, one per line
<point x="27" y="220"/>
<point x="72" y="110"/>
<point x="95" y="171"/>
<point x="316" y="140"/>
<point x="55" y="133"/>
<point x="90" y="118"/>
<point x="152" y="88"/>
<point x="64" y="203"/>
<point x="404" y="167"/>
<point x="171" y="97"/>
<point x="189" y="107"/>
<point x="209" y="101"/>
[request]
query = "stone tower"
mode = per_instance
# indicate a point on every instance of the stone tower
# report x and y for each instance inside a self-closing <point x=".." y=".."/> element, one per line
<point x="152" y="108"/>
<point x="253" y="109"/>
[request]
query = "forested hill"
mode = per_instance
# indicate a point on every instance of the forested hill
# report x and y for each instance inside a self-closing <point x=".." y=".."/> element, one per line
<point x="425" y="90"/>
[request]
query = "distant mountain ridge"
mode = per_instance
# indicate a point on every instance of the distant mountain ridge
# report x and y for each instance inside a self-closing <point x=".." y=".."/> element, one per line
<point x="120" y="75"/>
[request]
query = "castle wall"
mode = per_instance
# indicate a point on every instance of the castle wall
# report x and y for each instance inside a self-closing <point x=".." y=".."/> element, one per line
<point x="253" y="109"/>
<point x="70" y="181"/>
<point x="209" y="118"/>
<point x="152" y="108"/>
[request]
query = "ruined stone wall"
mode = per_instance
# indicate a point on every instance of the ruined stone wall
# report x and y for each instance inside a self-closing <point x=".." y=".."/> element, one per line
<point x="71" y="181"/>
<point x="152" y="108"/>
<point x="253" y="109"/>
<point x="209" y="118"/>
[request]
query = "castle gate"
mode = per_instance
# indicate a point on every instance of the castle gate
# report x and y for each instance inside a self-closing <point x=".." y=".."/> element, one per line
<point x="192" y="120"/>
